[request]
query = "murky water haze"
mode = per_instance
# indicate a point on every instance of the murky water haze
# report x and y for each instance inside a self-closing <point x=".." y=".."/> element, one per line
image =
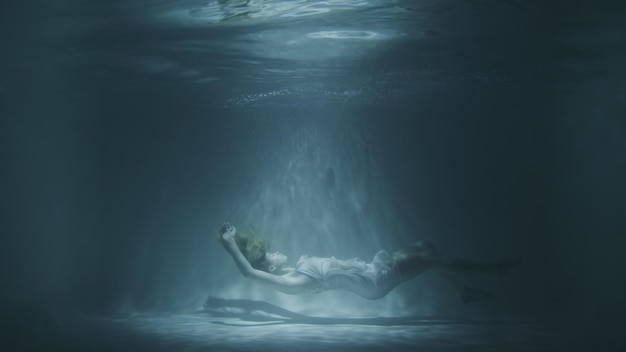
<point x="131" y="131"/>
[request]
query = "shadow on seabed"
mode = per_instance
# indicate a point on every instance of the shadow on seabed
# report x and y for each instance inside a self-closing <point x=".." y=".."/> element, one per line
<point x="266" y="313"/>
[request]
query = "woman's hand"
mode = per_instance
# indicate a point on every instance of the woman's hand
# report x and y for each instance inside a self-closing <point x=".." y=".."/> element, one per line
<point x="227" y="233"/>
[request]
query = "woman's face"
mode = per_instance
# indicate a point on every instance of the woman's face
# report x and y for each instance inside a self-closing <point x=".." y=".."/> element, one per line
<point x="276" y="258"/>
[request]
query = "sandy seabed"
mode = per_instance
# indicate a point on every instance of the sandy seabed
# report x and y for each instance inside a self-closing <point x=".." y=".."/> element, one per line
<point x="228" y="330"/>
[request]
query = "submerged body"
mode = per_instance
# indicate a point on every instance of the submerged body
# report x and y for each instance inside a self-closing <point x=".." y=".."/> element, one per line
<point x="371" y="280"/>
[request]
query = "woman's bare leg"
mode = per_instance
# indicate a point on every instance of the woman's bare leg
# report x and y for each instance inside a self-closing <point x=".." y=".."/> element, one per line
<point x="416" y="259"/>
<point x="422" y="256"/>
<point x="466" y="294"/>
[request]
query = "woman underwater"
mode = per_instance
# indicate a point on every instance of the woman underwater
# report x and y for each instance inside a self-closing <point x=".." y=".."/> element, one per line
<point x="368" y="280"/>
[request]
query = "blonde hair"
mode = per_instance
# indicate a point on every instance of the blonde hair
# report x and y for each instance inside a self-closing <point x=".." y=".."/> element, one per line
<point x="253" y="248"/>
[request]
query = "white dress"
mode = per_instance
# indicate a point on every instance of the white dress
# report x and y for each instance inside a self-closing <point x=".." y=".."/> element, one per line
<point x="369" y="280"/>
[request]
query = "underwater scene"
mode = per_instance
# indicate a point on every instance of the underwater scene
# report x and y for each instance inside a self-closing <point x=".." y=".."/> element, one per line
<point x="295" y="175"/>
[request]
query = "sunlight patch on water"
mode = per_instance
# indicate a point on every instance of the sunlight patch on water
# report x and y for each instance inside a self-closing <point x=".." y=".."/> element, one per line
<point x="346" y="35"/>
<point x="302" y="45"/>
<point x="243" y="12"/>
<point x="299" y="89"/>
<point x="295" y="96"/>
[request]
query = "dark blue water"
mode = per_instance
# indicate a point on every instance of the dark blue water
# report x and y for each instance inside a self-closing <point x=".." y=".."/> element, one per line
<point x="131" y="130"/>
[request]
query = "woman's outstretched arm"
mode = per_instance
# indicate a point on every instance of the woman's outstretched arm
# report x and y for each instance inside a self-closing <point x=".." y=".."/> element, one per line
<point x="227" y="239"/>
<point x="290" y="283"/>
